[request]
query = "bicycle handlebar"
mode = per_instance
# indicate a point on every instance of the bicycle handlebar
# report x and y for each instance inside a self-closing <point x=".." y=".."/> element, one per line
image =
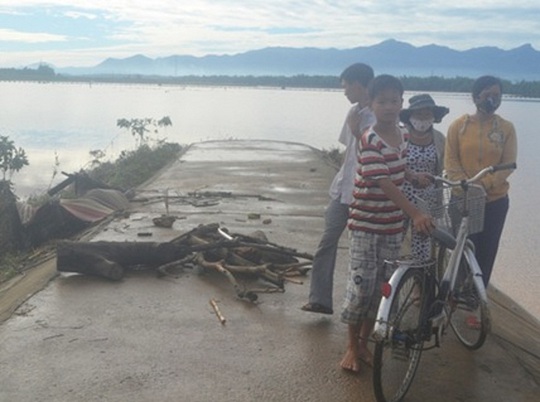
<point x="478" y="176"/>
<point x="504" y="166"/>
<point x="440" y="233"/>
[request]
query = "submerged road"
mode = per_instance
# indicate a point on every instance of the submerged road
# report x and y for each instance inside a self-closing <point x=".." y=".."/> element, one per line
<point x="145" y="338"/>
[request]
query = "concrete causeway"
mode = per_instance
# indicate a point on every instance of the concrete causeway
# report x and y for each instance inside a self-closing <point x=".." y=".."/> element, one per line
<point x="144" y="338"/>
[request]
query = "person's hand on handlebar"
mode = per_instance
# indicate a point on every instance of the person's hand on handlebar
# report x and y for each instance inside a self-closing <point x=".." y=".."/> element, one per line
<point x="421" y="180"/>
<point x="423" y="223"/>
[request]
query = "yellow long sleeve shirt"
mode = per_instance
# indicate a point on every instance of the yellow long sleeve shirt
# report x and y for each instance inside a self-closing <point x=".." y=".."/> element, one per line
<point x="472" y="145"/>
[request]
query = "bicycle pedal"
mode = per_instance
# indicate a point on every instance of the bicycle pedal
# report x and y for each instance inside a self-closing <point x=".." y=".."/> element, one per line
<point x="401" y="353"/>
<point x="437" y="333"/>
<point x="441" y="331"/>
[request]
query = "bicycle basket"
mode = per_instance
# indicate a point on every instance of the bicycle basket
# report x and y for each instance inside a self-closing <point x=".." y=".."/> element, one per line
<point x="446" y="207"/>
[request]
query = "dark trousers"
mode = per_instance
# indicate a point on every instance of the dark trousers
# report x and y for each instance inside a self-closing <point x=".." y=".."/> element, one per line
<point x="486" y="242"/>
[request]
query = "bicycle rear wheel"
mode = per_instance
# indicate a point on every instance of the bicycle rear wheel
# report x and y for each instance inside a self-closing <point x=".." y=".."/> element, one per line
<point x="396" y="357"/>
<point x="469" y="318"/>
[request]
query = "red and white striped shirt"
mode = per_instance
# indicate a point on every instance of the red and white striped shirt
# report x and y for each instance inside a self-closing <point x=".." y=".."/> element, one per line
<point x="371" y="210"/>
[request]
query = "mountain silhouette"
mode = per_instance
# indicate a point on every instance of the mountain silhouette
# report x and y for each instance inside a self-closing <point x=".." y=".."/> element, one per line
<point x="390" y="56"/>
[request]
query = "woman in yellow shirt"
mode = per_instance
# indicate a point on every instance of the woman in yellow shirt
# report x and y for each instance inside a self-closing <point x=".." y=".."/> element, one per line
<point x="473" y="143"/>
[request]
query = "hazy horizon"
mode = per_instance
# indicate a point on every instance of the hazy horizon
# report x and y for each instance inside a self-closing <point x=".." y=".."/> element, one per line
<point x="77" y="33"/>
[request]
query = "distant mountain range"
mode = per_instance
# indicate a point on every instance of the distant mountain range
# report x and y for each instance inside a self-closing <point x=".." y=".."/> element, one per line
<point x="391" y="56"/>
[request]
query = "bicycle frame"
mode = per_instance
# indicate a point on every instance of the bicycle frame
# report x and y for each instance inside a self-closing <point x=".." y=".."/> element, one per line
<point x="417" y="305"/>
<point x="462" y="247"/>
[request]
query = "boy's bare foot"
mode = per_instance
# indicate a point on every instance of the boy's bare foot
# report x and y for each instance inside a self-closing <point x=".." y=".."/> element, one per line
<point x="350" y="361"/>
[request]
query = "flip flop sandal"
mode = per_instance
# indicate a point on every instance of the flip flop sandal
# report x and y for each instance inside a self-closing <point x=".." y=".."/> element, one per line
<point x="317" y="308"/>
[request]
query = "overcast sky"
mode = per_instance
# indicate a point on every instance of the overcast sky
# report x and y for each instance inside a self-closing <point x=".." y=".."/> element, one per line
<point x="85" y="32"/>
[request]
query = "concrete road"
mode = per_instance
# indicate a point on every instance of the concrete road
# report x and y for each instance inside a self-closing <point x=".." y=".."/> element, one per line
<point x="146" y="338"/>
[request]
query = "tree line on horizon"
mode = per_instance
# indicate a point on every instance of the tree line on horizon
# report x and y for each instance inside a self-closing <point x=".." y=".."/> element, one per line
<point x="44" y="73"/>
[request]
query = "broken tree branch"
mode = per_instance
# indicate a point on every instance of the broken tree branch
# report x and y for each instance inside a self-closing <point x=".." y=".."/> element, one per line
<point x="209" y="246"/>
<point x="217" y="311"/>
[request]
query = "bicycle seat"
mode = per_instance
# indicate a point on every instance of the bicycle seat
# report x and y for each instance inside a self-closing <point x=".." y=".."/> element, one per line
<point x="443" y="236"/>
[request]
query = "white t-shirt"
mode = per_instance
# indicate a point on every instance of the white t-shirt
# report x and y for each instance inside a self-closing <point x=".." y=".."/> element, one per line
<point x="343" y="184"/>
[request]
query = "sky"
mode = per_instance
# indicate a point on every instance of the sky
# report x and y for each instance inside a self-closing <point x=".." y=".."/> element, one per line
<point x="83" y="33"/>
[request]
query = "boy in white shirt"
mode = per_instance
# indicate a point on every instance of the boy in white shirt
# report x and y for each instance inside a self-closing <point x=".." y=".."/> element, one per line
<point x="354" y="80"/>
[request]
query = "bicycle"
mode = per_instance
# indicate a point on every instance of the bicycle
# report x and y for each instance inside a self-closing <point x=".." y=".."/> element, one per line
<point x="421" y="299"/>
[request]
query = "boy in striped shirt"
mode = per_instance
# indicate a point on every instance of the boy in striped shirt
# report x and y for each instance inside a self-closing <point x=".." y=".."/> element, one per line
<point x="376" y="215"/>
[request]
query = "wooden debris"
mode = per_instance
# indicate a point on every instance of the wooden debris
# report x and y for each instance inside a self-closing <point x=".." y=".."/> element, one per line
<point x="164" y="221"/>
<point x="296" y="281"/>
<point x="214" y="305"/>
<point x="210" y="247"/>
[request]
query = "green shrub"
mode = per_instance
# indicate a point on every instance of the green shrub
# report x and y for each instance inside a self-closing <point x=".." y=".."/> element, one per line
<point x="9" y="266"/>
<point x="133" y="168"/>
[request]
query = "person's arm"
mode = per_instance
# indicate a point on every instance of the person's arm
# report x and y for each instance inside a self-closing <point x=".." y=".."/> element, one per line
<point x="354" y="121"/>
<point x="418" y="180"/>
<point x="439" y="140"/>
<point x="509" y="155"/>
<point x="421" y="221"/>
<point x="452" y="162"/>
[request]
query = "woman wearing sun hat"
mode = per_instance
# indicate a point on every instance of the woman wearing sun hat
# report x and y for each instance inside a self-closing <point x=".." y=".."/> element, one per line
<point x="425" y="157"/>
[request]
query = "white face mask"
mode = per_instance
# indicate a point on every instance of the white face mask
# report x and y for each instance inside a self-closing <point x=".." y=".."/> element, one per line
<point x="422" y="126"/>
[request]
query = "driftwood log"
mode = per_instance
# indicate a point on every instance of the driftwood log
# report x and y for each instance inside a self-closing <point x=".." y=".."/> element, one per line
<point x="207" y="246"/>
<point x="110" y="259"/>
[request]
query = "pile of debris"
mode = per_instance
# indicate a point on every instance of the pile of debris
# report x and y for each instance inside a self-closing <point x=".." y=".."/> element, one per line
<point x="24" y="226"/>
<point x="210" y="247"/>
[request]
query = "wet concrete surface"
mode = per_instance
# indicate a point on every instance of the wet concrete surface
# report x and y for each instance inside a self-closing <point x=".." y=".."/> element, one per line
<point x="146" y="338"/>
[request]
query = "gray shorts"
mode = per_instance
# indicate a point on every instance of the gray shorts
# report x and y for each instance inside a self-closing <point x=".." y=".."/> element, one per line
<point x="367" y="272"/>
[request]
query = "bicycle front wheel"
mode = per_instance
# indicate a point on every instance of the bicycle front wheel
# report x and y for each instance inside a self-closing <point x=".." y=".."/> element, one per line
<point x="469" y="318"/>
<point x="443" y="257"/>
<point x="396" y="357"/>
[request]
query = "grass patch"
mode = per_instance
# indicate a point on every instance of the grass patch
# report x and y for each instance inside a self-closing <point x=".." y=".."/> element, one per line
<point x="10" y="264"/>
<point x="133" y="168"/>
